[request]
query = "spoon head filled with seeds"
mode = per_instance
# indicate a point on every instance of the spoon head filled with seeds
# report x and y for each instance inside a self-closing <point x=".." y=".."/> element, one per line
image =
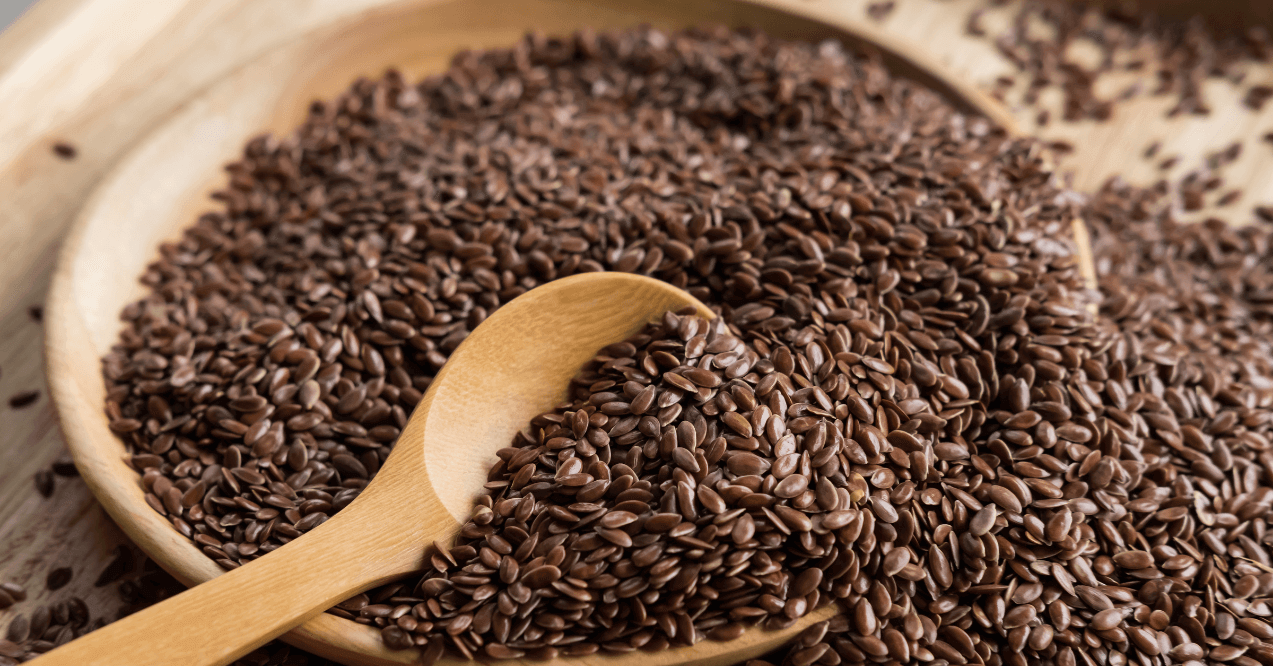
<point x="515" y="366"/>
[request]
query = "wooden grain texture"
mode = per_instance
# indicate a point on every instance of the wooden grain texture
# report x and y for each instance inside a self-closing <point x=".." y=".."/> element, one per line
<point x="142" y="72"/>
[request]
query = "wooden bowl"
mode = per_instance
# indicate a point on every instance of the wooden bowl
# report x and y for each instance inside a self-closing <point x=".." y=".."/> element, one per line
<point x="164" y="183"/>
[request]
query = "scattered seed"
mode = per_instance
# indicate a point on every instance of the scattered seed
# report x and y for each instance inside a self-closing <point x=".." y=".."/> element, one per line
<point x="58" y="578"/>
<point x="23" y="399"/>
<point x="44" y="483"/>
<point x="65" y="150"/>
<point x="878" y="11"/>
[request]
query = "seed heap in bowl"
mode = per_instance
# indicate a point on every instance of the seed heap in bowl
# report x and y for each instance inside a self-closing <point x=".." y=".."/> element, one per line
<point x="990" y="474"/>
<point x="669" y="488"/>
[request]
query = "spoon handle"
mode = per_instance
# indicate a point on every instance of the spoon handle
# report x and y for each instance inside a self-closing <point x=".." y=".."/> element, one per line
<point x="223" y="619"/>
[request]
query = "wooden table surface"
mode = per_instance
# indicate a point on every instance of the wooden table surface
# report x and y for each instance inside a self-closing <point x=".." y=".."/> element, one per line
<point x="66" y="58"/>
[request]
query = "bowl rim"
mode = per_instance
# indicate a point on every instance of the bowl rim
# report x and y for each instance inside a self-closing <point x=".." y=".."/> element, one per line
<point x="100" y="455"/>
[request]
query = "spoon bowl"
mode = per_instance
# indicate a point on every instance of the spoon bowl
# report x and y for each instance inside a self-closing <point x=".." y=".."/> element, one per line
<point x="516" y="365"/>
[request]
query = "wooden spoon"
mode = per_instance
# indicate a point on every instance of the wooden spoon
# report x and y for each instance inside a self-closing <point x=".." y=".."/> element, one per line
<point x="516" y="365"/>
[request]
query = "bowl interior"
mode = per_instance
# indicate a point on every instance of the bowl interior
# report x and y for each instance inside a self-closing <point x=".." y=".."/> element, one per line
<point x="164" y="184"/>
